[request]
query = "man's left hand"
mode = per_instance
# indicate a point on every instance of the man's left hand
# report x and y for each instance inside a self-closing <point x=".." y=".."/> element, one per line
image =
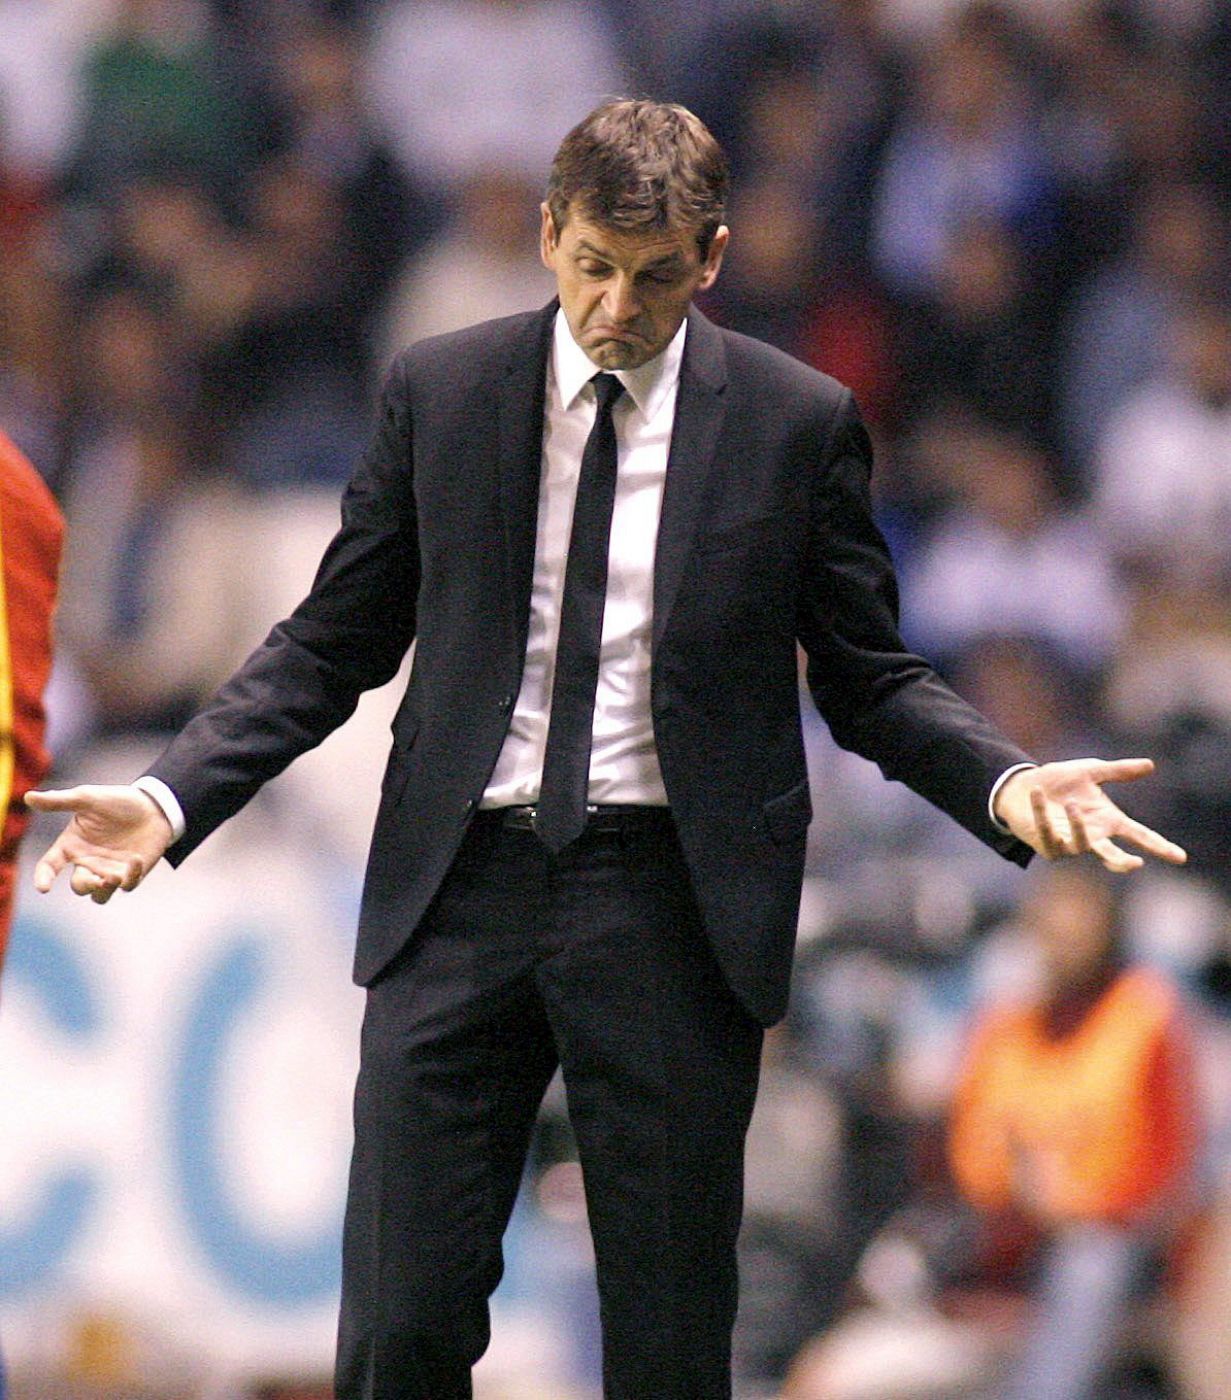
<point x="1060" y="809"/>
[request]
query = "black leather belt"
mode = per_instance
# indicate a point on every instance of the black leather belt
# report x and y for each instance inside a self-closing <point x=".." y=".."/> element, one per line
<point x="610" y="818"/>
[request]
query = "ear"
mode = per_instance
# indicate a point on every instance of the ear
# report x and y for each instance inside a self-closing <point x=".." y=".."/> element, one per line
<point x="549" y="238"/>
<point x="713" y="258"/>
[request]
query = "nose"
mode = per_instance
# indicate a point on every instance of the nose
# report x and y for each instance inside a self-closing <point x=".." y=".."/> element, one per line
<point x="619" y="300"/>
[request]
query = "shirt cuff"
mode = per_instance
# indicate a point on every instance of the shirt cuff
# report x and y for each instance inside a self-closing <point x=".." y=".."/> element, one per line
<point x="996" y="786"/>
<point x="169" y="805"/>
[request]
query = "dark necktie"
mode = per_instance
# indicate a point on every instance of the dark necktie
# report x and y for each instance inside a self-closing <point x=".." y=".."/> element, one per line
<point x="566" y="762"/>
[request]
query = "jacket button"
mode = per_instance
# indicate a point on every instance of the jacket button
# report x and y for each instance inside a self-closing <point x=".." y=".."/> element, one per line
<point x="468" y="806"/>
<point x="506" y="704"/>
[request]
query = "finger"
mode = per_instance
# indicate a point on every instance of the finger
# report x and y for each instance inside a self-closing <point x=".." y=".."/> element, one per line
<point x="1081" y="840"/>
<point x="133" y="875"/>
<point x="1120" y="770"/>
<point x="1053" y="841"/>
<point x="93" y="873"/>
<point x="117" y="867"/>
<point x="48" y="868"/>
<point x="102" y="896"/>
<point x="114" y="869"/>
<point x="86" y="881"/>
<point x="1042" y="827"/>
<point x="1116" y="860"/>
<point x="1151" y="841"/>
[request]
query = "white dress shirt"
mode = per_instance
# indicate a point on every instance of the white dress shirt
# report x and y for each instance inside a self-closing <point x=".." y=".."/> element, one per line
<point x="623" y="762"/>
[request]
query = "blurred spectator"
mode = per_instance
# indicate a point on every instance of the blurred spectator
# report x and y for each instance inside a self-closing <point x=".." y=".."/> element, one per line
<point x="1171" y="689"/>
<point x="1094" y="50"/>
<point x="150" y="534"/>
<point x="277" y="307"/>
<point x="1124" y="114"/>
<point x="1159" y="122"/>
<point x="659" y="42"/>
<point x="979" y="336"/>
<point x="1075" y="1110"/>
<point x="1162" y="483"/>
<point x="462" y="86"/>
<point x="1031" y="694"/>
<point x="324" y="127"/>
<point x="484" y="263"/>
<point x="1007" y="559"/>
<point x="1115" y="334"/>
<point x="738" y="55"/>
<point x="767" y="279"/>
<point x="33" y="318"/>
<point x="848" y="332"/>
<point x="968" y="148"/>
<point x="802" y="95"/>
<point x="291" y="369"/>
<point x="783" y="282"/>
<point x="166" y="237"/>
<point x="156" y="99"/>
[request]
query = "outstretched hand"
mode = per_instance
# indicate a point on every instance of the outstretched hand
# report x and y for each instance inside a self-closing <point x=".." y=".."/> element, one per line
<point x="116" y="836"/>
<point x="1060" y="809"/>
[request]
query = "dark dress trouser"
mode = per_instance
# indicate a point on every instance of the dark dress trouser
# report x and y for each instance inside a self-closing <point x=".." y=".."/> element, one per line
<point x="594" y="959"/>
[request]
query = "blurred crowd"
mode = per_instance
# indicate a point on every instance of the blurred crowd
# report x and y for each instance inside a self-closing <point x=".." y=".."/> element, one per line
<point x="1006" y="226"/>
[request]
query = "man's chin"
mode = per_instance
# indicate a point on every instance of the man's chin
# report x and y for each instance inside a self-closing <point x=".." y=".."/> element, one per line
<point x="618" y="354"/>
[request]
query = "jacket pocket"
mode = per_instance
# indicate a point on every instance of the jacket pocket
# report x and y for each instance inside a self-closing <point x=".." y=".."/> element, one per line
<point x="397" y="770"/>
<point x="787" y="815"/>
<point x="405" y="728"/>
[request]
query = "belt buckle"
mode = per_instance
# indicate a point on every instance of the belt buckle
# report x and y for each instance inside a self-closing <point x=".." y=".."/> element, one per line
<point x="533" y="813"/>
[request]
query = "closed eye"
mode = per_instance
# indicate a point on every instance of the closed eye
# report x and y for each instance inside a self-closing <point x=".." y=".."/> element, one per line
<point x="664" y="277"/>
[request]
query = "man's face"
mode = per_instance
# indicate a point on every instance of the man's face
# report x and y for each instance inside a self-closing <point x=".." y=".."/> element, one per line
<point x="624" y="293"/>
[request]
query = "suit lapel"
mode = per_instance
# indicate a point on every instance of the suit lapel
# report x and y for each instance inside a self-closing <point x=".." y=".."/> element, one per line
<point x="520" y="417"/>
<point x="698" y="419"/>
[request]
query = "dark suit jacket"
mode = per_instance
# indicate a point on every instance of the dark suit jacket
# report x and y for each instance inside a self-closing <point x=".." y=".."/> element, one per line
<point x="766" y="538"/>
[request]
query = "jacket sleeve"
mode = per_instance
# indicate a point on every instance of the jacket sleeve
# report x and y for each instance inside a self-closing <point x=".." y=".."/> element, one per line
<point x="349" y="635"/>
<point x="879" y="699"/>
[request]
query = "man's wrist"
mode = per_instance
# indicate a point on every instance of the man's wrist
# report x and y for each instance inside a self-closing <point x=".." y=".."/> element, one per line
<point x="166" y="802"/>
<point x="995" y="793"/>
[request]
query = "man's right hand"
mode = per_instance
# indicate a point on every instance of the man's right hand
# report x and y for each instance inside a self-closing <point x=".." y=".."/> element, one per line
<point x="116" y="836"/>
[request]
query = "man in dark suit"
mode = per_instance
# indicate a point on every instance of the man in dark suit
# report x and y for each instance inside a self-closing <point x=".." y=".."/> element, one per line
<point x="606" y="525"/>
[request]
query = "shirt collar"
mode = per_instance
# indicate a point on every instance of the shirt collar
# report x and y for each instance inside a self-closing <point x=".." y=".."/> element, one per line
<point x="647" y="385"/>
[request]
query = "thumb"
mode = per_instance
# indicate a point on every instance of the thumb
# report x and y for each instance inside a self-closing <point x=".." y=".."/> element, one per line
<point x="55" y="800"/>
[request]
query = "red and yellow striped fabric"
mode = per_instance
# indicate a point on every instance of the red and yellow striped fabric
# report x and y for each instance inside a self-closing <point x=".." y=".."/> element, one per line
<point x="31" y="534"/>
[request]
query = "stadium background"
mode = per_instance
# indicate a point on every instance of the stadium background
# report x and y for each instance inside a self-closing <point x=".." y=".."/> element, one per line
<point x="1005" y="225"/>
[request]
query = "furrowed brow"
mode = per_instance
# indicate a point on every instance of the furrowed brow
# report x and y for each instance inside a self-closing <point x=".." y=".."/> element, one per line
<point x="668" y="262"/>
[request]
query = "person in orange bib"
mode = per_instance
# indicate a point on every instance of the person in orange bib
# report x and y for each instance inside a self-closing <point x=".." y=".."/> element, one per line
<point x="1076" y="1109"/>
<point x="31" y="535"/>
